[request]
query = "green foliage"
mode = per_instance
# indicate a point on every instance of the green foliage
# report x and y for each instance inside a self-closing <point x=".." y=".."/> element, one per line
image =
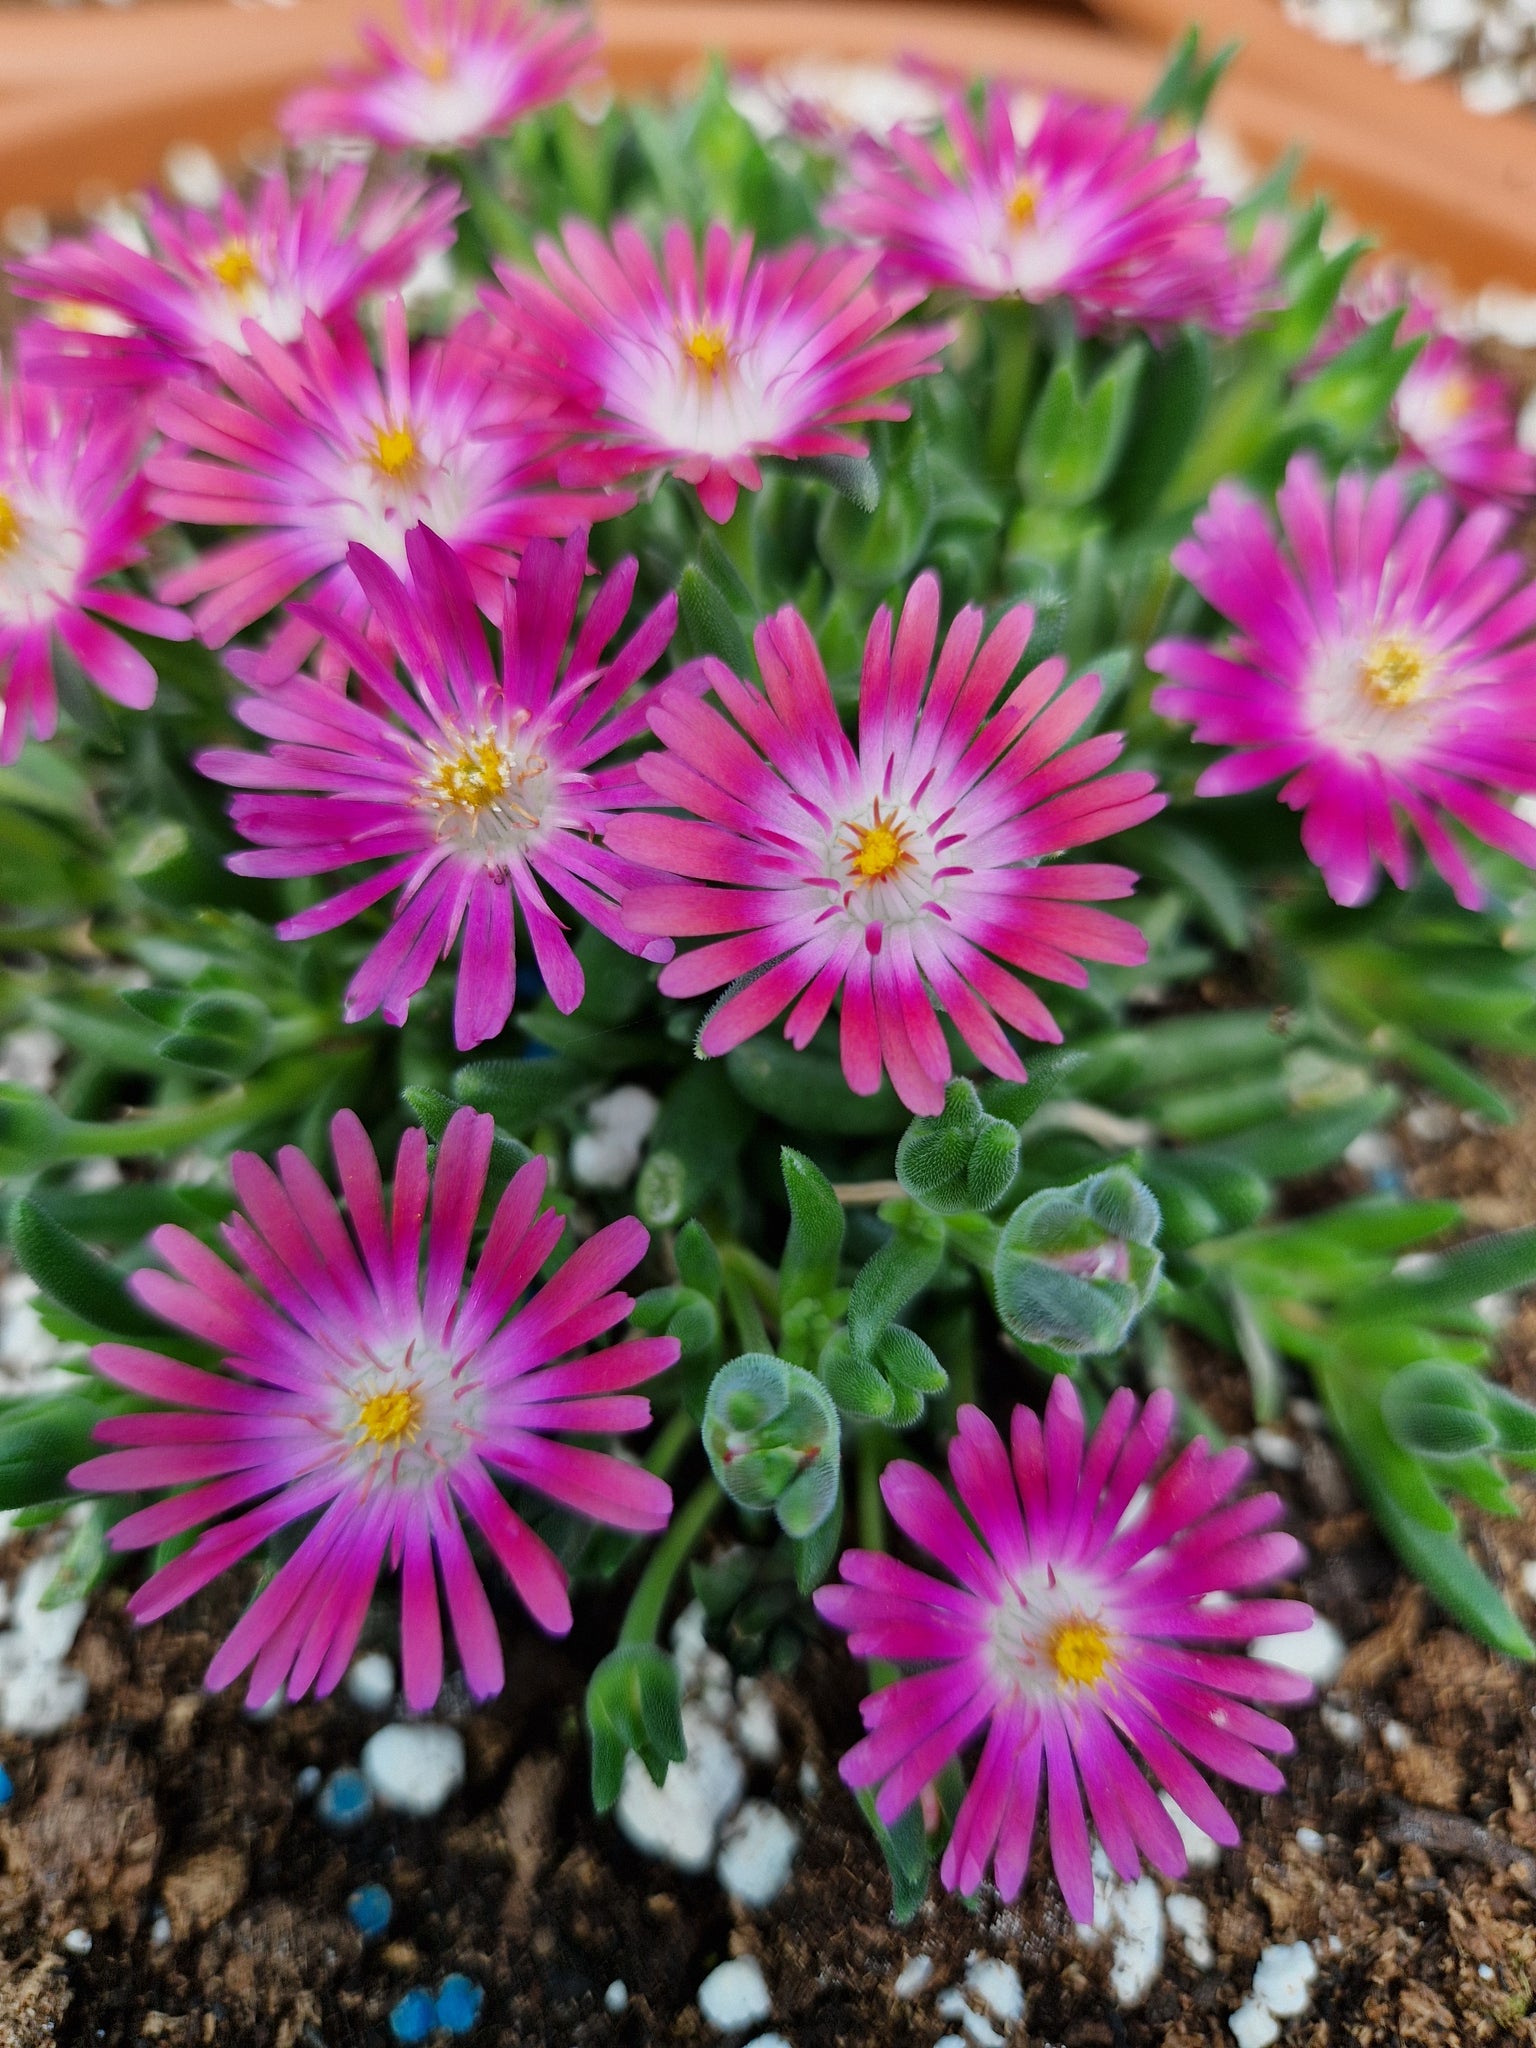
<point x="1396" y="1356"/>
<point x="634" y="1707"/>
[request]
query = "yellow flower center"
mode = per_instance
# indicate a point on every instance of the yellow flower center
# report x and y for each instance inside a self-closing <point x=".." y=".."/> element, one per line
<point x="10" y="526"/>
<point x="393" y="452"/>
<point x="476" y="778"/>
<point x="1021" y="206"/>
<point x="433" y="64"/>
<point x="877" y="849"/>
<point x="1393" y="673"/>
<point x="1079" y="1651"/>
<point x="706" y="349"/>
<point x="484" y="776"/>
<point x="385" y="1418"/>
<point x="235" y="268"/>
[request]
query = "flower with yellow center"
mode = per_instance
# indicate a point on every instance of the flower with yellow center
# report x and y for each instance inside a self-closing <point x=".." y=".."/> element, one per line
<point x="10" y="526"/>
<point x="1078" y="1650"/>
<point x="878" y="849"/>
<point x="1021" y="205"/>
<point x="390" y="1418"/>
<point x="235" y="269"/>
<point x="394" y="453"/>
<point x="707" y="350"/>
<point x="1394" y="673"/>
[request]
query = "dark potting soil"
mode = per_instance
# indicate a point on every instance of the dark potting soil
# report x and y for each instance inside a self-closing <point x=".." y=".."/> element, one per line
<point x="1420" y="1903"/>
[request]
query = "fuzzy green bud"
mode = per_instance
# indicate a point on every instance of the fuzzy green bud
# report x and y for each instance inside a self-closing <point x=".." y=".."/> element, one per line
<point x="961" y="1159"/>
<point x="773" y="1440"/>
<point x="1076" y="1266"/>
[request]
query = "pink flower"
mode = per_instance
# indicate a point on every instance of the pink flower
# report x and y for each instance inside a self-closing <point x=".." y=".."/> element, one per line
<point x="72" y="516"/>
<point x="707" y="363"/>
<point x="903" y="871"/>
<point x="1068" y="1637"/>
<point x="1455" y="418"/>
<point x="169" y="307"/>
<point x="464" y="69"/>
<point x="1088" y="206"/>
<point x="316" y="449"/>
<point x="1382" y="662"/>
<point x="477" y="793"/>
<point x="383" y="1400"/>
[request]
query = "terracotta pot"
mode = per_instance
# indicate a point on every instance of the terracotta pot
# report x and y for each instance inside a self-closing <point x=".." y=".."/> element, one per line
<point x="1408" y="159"/>
<point x="92" y="96"/>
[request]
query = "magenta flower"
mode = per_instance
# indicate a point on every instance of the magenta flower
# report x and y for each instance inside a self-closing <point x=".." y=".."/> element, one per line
<point x="381" y="1399"/>
<point x="1089" y="206"/>
<point x="1382" y="662"/>
<point x="316" y="449"/>
<point x="1456" y="418"/>
<point x="464" y="69"/>
<point x="905" y="872"/>
<point x="72" y="517"/>
<point x="273" y="259"/>
<point x="477" y="792"/>
<point x="1078" y="1633"/>
<point x="707" y="363"/>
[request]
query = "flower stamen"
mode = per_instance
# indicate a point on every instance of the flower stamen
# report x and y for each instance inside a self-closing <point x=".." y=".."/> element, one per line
<point x="1021" y="205"/>
<point x="485" y="775"/>
<point x="394" y="452"/>
<point x="878" y="849"/>
<point x="708" y="351"/>
<point x="235" y="268"/>
<point x="1394" y="672"/>
<point x="10" y="527"/>
<point x="391" y="1417"/>
<point x="1079" y="1651"/>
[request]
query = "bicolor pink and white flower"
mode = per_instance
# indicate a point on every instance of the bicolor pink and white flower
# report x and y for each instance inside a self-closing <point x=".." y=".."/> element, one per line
<point x="73" y="518"/>
<point x="460" y="71"/>
<point x="383" y="1393"/>
<point x="203" y="275"/>
<point x="1087" y="204"/>
<point x="478" y="792"/>
<point x="1382" y="661"/>
<point x="316" y="449"/>
<point x="1452" y="415"/>
<point x="912" y="872"/>
<point x="1075" y="1625"/>
<point x="711" y="360"/>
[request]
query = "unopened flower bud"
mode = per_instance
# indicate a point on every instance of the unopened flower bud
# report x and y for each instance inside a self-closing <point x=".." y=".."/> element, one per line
<point x="1076" y="1266"/>
<point x="773" y="1439"/>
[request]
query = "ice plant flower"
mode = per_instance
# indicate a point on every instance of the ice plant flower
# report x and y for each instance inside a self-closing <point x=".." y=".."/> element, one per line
<point x="203" y="274"/>
<point x="1382" y="662"/>
<point x="712" y="359"/>
<point x="1453" y="416"/>
<point x="462" y="70"/>
<point x="477" y="792"/>
<point x="907" y="871"/>
<point x="373" y="1390"/>
<point x="73" y="515"/>
<point x="1076" y="1626"/>
<point x="315" y="448"/>
<point x="1088" y="205"/>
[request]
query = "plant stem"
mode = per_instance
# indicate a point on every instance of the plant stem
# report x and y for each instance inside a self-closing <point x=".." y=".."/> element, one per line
<point x="649" y="1600"/>
<point x="169" y="1129"/>
<point x="1013" y="356"/>
<point x="674" y="1439"/>
<point x="874" y="1446"/>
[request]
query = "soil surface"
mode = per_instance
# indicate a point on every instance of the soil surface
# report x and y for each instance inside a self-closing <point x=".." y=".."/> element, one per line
<point x="1417" y="1886"/>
